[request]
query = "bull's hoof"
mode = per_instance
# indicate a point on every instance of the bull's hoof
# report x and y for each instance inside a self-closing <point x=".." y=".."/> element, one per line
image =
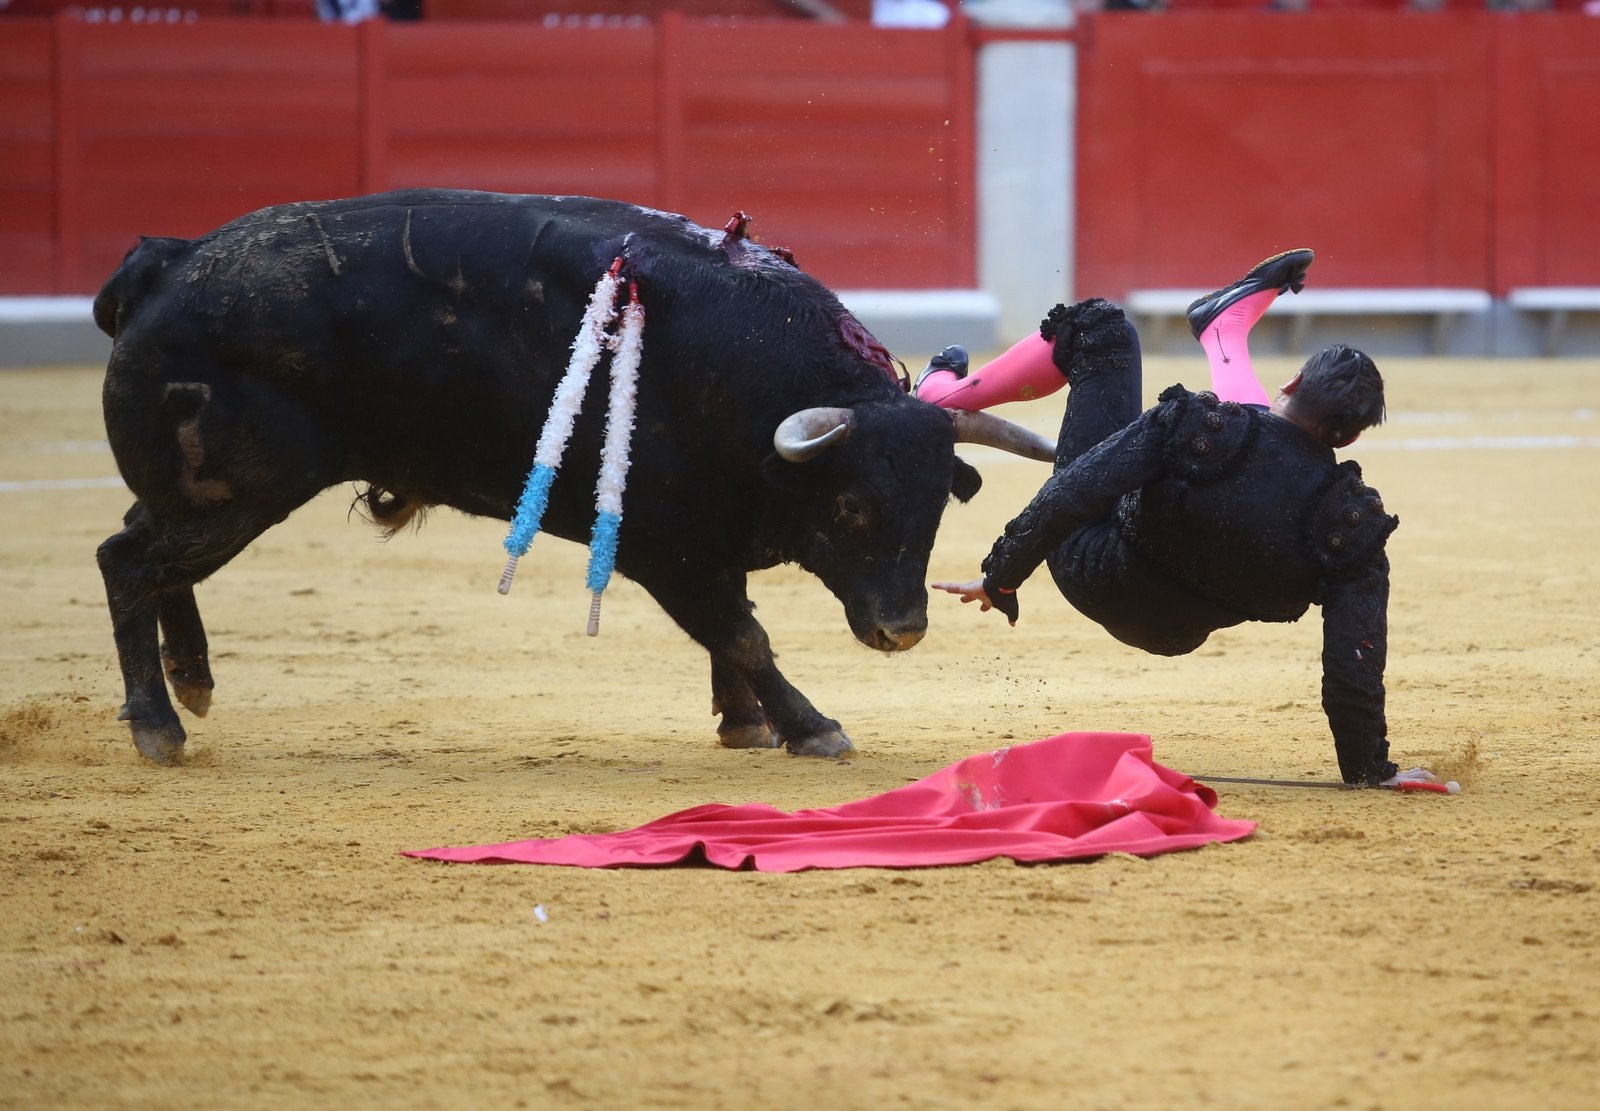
<point x="195" y="697"/>
<point x="160" y="744"/>
<point x="191" y="682"/>
<point x="831" y="743"/>
<point x="756" y="735"/>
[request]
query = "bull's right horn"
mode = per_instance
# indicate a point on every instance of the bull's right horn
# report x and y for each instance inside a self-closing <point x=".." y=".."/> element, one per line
<point x="810" y="432"/>
<point x="992" y="431"/>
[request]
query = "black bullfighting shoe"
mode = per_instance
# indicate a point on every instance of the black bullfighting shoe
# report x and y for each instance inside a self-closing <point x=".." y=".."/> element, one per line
<point x="1279" y="274"/>
<point x="952" y="359"/>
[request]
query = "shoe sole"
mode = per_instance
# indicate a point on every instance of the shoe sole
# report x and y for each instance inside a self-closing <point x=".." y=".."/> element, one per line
<point x="1252" y="282"/>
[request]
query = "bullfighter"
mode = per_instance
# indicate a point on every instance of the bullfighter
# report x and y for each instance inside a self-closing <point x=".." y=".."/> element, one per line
<point x="1210" y="509"/>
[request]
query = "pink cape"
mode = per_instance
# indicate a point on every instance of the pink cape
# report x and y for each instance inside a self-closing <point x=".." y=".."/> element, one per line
<point x="1063" y="798"/>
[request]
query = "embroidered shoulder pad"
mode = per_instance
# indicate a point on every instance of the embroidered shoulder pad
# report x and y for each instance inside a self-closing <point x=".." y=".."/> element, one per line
<point x="1347" y="525"/>
<point x="1207" y="439"/>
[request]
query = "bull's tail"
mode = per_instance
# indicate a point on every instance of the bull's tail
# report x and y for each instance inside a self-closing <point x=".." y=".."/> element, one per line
<point x="129" y="282"/>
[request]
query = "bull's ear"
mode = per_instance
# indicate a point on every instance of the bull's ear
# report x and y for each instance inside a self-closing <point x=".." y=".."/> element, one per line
<point x="966" y="481"/>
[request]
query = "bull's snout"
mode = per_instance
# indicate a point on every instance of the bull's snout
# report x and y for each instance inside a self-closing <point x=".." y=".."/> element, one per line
<point x="891" y="618"/>
<point x="894" y="638"/>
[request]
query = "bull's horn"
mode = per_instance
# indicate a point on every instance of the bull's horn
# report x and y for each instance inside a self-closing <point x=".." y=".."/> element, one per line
<point x="810" y="432"/>
<point x="993" y="431"/>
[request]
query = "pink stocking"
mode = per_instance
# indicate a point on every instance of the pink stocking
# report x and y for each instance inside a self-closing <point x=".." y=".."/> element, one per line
<point x="1226" y="342"/>
<point x="1022" y="373"/>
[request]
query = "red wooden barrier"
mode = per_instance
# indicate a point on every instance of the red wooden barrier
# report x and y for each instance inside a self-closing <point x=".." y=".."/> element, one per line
<point x="1409" y="149"/>
<point x="851" y="145"/>
<point x="1209" y="142"/>
<point x="27" y="158"/>
<point x="514" y="108"/>
<point x="854" y="143"/>
<point x="1547" y="152"/>
<point x="174" y="129"/>
<point x="1453" y="149"/>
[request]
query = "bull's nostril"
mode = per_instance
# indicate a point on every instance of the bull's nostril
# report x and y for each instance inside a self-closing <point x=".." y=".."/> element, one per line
<point x="895" y="640"/>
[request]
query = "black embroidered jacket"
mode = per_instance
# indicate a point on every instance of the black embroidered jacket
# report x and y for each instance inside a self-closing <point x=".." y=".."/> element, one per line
<point x="1202" y="514"/>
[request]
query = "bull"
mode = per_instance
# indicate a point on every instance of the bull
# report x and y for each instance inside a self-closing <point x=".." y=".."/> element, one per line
<point x="411" y="342"/>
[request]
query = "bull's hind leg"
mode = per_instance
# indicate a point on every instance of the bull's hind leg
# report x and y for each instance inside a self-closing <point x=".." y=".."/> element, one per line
<point x="150" y="569"/>
<point x="183" y="650"/>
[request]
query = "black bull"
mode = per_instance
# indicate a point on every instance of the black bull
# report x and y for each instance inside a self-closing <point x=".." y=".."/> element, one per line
<point x="412" y="342"/>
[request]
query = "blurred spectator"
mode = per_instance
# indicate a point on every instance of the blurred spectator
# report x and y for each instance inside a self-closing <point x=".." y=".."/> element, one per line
<point x="347" y="11"/>
<point x="1589" y="7"/>
<point x="1581" y="7"/>
<point x="357" y="11"/>
<point x="1338" y="5"/>
<point x="1359" y="5"/>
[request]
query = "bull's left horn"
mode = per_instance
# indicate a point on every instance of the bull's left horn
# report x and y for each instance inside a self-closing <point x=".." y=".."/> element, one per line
<point x="993" y="431"/>
<point x="810" y="432"/>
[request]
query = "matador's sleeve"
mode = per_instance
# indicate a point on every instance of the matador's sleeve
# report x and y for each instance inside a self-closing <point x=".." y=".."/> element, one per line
<point x="1355" y="628"/>
<point x="1084" y="491"/>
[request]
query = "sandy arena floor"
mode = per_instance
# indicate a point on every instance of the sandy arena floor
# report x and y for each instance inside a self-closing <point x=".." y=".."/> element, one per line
<point x="242" y="931"/>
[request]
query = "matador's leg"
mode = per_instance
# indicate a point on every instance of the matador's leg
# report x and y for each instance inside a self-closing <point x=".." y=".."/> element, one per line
<point x="1097" y="349"/>
<point x="1090" y="346"/>
<point x="1024" y="372"/>
<point x="1222" y="320"/>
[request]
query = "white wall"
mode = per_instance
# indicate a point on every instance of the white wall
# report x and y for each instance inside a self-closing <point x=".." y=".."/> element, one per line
<point x="1026" y="135"/>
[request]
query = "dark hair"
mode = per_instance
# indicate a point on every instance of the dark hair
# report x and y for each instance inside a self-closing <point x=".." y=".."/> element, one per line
<point x="1339" y="393"/>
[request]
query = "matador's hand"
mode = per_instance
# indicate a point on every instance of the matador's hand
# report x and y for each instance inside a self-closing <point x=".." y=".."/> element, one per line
<point x="1420" y="779"/>
<point x="1003" y="600"/>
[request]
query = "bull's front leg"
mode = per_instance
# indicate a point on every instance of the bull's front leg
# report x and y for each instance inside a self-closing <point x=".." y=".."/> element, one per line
<point x="755" y="678"/>
<point x="747" y="687"/>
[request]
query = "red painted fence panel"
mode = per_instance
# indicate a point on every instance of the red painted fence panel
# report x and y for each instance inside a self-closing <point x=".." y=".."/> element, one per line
<point x="849" y="144"/>
<point x="27" y="158"/>
<point x="1547" y="152"/>
<point x="174" y="129"/>
<point x="515" y="108"/>
<point x="1207" y="142"/>
<point x="1457" y="148"/>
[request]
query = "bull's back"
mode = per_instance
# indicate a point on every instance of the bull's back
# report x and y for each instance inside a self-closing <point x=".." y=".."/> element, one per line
<point x="418" y="336"/>
<point x="414" y="338"/>
<point x="378" y="290"/>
